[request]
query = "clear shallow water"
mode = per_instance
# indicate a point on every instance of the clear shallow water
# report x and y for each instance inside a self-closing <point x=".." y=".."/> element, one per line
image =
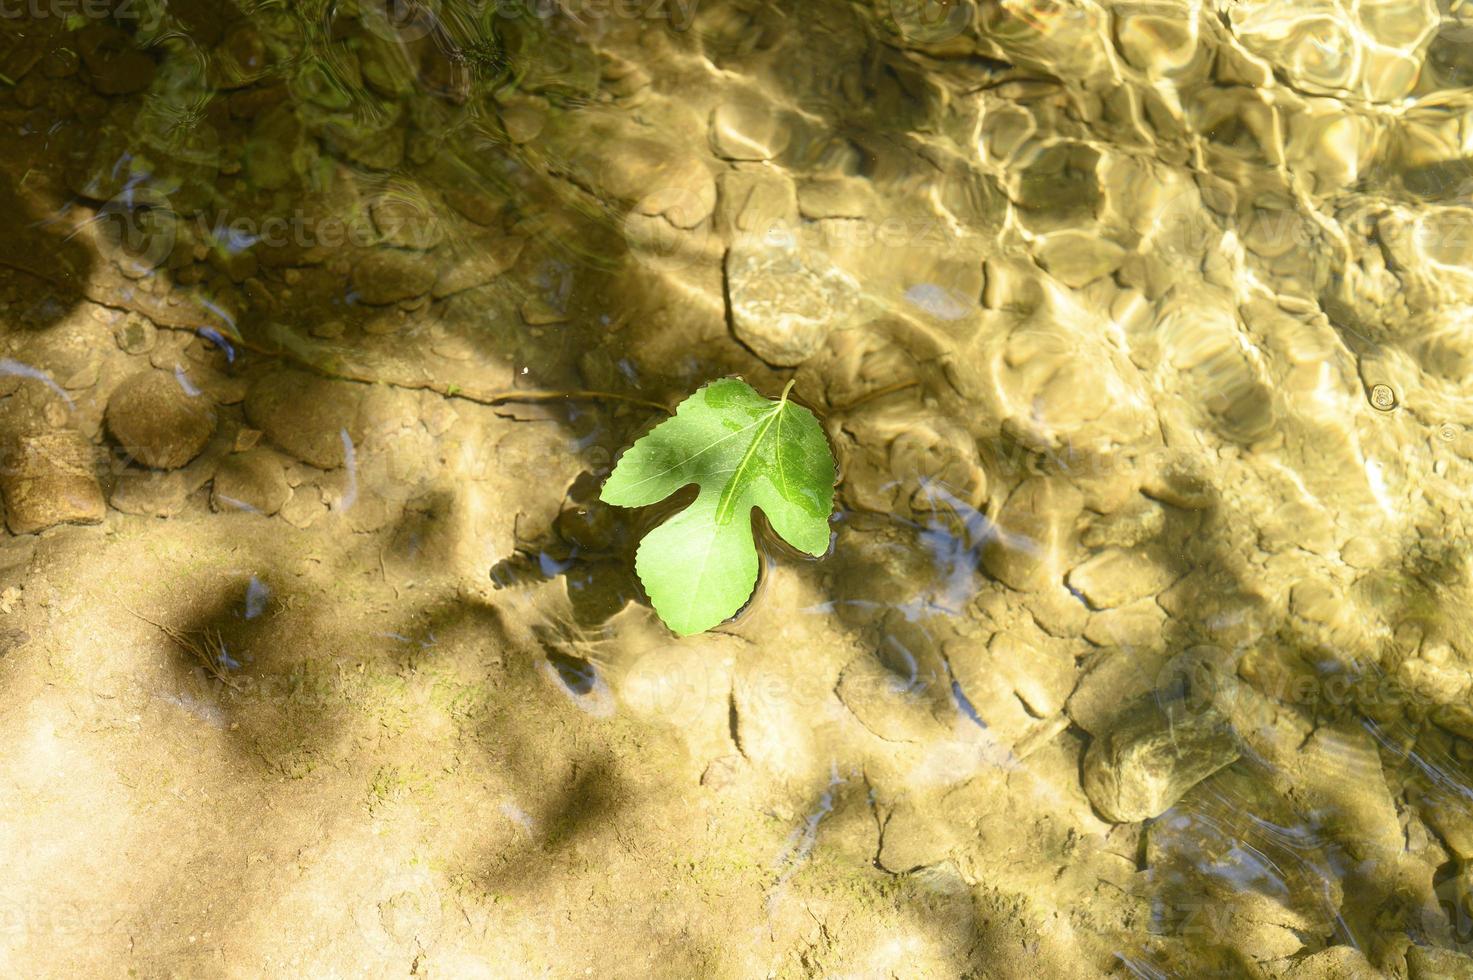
<point x="1138" y="331"/>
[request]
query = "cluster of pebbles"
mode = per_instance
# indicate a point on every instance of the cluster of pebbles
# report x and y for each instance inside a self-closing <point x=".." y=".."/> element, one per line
<point x="1141" y="328"/>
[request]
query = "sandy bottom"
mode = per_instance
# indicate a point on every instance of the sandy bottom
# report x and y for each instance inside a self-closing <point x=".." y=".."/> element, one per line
<point x="1140" y="333"/>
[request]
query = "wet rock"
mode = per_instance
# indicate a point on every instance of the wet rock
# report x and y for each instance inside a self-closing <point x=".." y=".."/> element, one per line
<point x="784" y="300"/>
<point x="476" y="204"/>
<point x="756" y="202"/>
<point x="1070" y="393"/>
<point x="135" y="334"/>
<point x="770" y="731"/>
<point x="114" y="64"/>
<point x="157" y="422"/>
<point x="240" y="59"/>
<point x="1135" y="625"/>
<point x="538" y="312"/>
<point x="406" y="222"/>
<point x="311" y="418"/>
<point x="254" y="480"/>
<point x="1058" y="612"/>
<point x="1160" y="41"/>
<point x="12" y="639"/>
<point x="1448" y="813"/>
<point x="151" y="493"/>
<point x="1034" y="534"/>
<point x="910" y="839"/>
<point x="1335" y="963"/>
<point x="523" y="119"/>
<point x="886" y="703"/>
<point x="387" y="276"/>
<point x="272" y="155"/>
<point x="1139" y="519"/>
<point x="1117" y="576"/>
<point x="304" y="509"/>
<point x="488" y="260"/>
<point x="1431" y="963"/>
<point x="1041" y="670"/>
<point x="835" y="197"/>
<point x="654" y="177"/>
<point x="747" y="129"/>
<point x="48" y="479"/>
<point x="1078" y="258"/>
<point x="1152" y="757"/>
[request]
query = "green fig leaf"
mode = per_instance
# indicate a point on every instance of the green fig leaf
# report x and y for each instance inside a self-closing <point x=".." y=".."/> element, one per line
<point x="744" y="451"/>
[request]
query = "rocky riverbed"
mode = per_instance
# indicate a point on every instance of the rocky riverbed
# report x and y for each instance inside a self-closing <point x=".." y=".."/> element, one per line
<point x="1139" y="331"/>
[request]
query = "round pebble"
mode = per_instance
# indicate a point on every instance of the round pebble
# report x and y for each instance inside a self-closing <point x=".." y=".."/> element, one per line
<point x="158" y="422"/>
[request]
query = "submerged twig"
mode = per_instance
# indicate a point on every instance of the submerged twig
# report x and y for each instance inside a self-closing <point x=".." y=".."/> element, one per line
<point x="210" y="653"/>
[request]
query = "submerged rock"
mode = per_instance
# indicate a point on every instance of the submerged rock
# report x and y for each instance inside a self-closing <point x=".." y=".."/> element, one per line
<point x="487" y="260"/>
<point x="312" y="418"/>
<point x="783" y="300"/>
<point x="158" y="422"/>
<point x="747" y="129"/>
<point x="1034" y="533"/>
<point x="1152" y="757"/>
<point x="1119" y="576"/>
<point x="389" y="275"/>
<point x="254" y="480"/>
<point x="48" y="479"/>
<point x="150" y="493"/>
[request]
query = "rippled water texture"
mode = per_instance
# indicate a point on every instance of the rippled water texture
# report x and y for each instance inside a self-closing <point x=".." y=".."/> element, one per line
<point x="1142" y="335"/>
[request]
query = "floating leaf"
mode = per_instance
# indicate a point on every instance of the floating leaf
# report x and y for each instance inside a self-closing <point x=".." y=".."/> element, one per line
<point x="744" y="451"/>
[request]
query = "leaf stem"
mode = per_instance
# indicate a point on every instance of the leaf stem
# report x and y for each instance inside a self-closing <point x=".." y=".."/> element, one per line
<point x="787" y="388"/>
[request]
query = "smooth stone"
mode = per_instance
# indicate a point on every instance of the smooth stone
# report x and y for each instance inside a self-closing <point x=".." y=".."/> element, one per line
<point x="756" y="202"/>
<point x="747" y="129"/>
<point x="886" y="704"/>
<point x="1335" y="963"/>
<point x="488" y="260"/>
<point x="49" y="479"/>
<point x="135" y="334"/>
<point x="1117" y="576"/>
<point x="305" y="415"/>
<point x="523" y="120"/>
<point x="253" y="480"/>
<point x="1137" y="519"/>
<point x="1078" y="258"/>
<point x="1432" y="963"/>
<point x="540" y="313"/>
<point x="1158" y="41"/>
<point x="157" y="421"/>
<point x="835" y="197"/>
<point x="1034" y="530"/>
<point x="1152" y="757"/>
<point x="1180" y="480"/>
<point x="783" y="301"/>
<point x="1041" y="672"/>
<point x="1135" y="625"/>
<point x="653" y="177"/>
<point x="406" y="223"/>
<point x="387" y="276"/>
<point x="150" y="493"/>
